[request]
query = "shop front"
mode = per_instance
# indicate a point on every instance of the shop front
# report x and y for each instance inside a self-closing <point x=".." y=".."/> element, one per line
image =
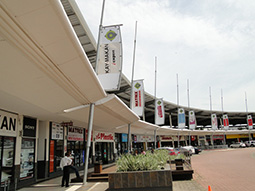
<point x="143" y="142"/>
<point x="121" y="143"/>
<point x="237" y="138"/>
<point x="182" y="141"/>
<point x="27" y="154"/>
<point x="76" y="144"/>
<point x="218" y="139"/>
<point x="166" y="141"/>
<point x="8" y="133"/>
<point x="56" y="151"/>
<point x="104" y="147"/>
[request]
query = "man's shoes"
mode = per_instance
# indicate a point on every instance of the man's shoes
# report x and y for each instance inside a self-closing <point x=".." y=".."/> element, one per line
<point x="67" y="186"/>
<point x="62" y="185"/>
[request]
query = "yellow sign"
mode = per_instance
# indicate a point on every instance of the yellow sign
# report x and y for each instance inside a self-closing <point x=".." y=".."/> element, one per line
<point x="237" y="136"/>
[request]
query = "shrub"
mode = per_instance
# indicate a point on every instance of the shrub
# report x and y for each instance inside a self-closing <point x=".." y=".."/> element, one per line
<point x="150" y="161"/>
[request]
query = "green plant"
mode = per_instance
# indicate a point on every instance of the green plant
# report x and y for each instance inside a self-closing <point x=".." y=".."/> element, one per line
<point x="150" y="161"/>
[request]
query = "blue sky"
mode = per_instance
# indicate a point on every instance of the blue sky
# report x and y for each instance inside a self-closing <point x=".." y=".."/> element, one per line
<point x="211" y="43"/>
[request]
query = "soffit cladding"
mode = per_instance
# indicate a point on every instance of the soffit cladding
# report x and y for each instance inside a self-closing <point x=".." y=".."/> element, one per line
<point x="43" y="65"/>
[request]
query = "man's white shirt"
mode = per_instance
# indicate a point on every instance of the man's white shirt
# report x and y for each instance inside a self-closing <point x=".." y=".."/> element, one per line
<point x="66" y="161"/>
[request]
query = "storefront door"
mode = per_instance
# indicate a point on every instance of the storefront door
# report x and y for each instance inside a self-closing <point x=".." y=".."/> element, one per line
<point x="7" y="160"/>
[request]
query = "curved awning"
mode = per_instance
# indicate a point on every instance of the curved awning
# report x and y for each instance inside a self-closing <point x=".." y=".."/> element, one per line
<point x="109" y="113"/>
<point x="44" y="69"/>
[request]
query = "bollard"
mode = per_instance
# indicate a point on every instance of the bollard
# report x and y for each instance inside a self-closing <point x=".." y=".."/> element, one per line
<point x="209" y="188"/>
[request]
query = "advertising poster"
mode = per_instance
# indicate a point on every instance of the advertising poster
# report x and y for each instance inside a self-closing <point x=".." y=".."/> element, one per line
<point x="138" y="97"/>
<point x="110" y="58"/>
<point x="181" y="118"/>
<point x="192" y="120"/>
<point x="57" y="131"/>
<point x="27" y="158"/>
<point x="52" y="144"/>
<point x="75" y="134"/>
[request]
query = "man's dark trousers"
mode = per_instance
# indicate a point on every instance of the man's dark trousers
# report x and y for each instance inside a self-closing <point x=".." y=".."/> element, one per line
<point x="66" y="176"/>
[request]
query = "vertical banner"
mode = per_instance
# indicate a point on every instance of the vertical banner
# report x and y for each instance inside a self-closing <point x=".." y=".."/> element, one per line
<point x="192" y="120"/>
<point x="138" y="97"/>
<point x="110" y="58"/>
<point x="225" y="122"/>
<point x="249" y="122"/>
<point x="214" y="121"/>
<point x="52" y="146"/>
<point x="159" y="112"/>
<point x="181" y="118"/>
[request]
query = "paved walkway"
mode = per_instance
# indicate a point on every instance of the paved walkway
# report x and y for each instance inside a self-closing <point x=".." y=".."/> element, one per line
<point x="228" y="169"/>
<point x="54" y="184"/>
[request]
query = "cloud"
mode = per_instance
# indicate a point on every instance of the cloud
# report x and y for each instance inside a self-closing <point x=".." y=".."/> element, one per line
<point x="210" y="42"/>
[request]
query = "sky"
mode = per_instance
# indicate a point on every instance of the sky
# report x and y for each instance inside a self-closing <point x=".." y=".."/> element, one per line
<point x="210" y="43"/>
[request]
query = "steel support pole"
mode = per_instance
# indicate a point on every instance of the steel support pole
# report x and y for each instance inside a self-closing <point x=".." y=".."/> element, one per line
<point x="90" y="125"/>
<point x="129" y="138"/>
<point x="155" y="139"/>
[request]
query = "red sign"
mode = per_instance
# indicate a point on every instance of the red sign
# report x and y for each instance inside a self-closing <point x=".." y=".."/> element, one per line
<point x="104" y="137"/>
<point x="67" y="124"/>
<point x="86" y="135"/>
<point x="160" y="111"/>
<point x="193" y="138"/>
<point x="226" y="122"/>
<point x="163" y="137"/>
<point x="52" y="156"/>
<point x="218" y="137"/>
<point x="138" y="99"/>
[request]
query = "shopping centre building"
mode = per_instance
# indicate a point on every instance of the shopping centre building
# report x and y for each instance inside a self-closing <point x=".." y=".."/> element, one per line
<point x="48" y="56"/>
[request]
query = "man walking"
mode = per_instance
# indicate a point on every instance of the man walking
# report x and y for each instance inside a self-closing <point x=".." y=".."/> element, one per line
<point x="65" y="166"/>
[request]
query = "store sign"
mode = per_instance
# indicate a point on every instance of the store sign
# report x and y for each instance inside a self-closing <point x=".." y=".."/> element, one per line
<point x="218" y="137"/>
<point x="29" y="127"/>
<point x="237" y="136"/>
<point x="201" y="137"/>
<point x="75" y="134"/>
<point x="124" y="138"/>
<point x="8" y="124"/>
<point x="166" y="138"/>
<point x="104" y="136"/>
<point x="145" y="138"/>
<point x="57" y="131"/>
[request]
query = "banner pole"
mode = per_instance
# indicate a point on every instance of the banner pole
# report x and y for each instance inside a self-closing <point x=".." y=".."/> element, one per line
<point x="188" y="106"/>
<point x="133" y="68"/>
<point x="99" y="37"/>
<point x="92" y="106"/>
<point x="155" y="91"/>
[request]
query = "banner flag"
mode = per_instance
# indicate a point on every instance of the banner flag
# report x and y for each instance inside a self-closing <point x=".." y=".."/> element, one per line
<point x="110" y="58"/>
<point x="225" y="122"/>
<point x="192" y="120"/>
<point x="138" y="97"/>
<point x="249" y="122"/>
<point x="181" y="118"/>
<point x="214" y="121"/>
<point x="159" y="112"/>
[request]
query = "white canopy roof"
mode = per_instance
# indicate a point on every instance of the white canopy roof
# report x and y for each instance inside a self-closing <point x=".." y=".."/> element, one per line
<point x="43" y="68"/>
<point x="109" y="113"/>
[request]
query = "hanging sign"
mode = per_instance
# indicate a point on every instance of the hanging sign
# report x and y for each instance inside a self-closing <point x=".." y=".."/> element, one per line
<point x="249" y="122"/>
<point x="214" y="121"/>
<point x="192" y="120"/>
<point x="159" y="112"/>
<point x="138" y="97"/>
<point x="29" y="127"/>
<point x="104" y="137"/>
<point x="8" y="124"/>
<point x="225" y="122"/>
<point x="110" y="58"/>
<point x="181" y="118"/>
<point x="57" y="131"/>
<point x="75" y="134"/>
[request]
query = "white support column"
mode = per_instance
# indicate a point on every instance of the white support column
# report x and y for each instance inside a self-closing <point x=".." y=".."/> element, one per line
<point x="90" y="125"/>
